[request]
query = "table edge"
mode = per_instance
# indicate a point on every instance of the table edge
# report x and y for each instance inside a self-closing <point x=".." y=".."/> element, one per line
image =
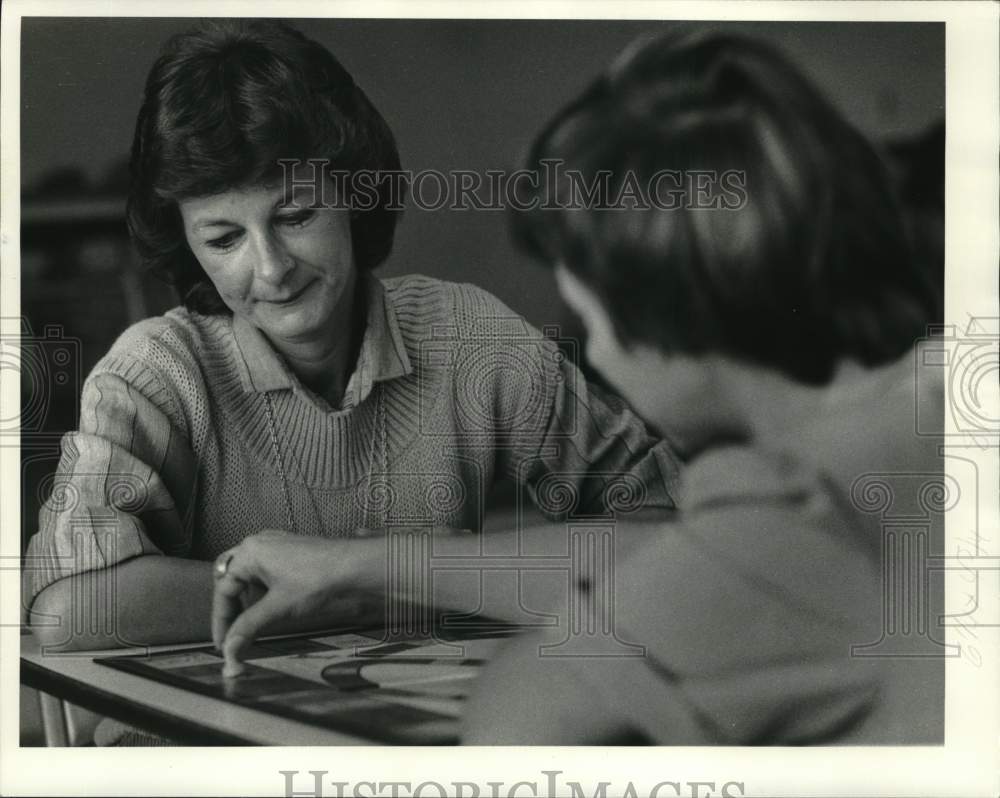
<point x="187" y="732"/>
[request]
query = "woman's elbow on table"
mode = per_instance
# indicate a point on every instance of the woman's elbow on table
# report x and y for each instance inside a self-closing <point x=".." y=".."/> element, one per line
<point x="147" y="600"/>
<point x="50" y="615"/>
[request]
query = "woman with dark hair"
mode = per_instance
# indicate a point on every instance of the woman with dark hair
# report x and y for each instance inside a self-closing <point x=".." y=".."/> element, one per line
<point x="773" y="340"/>
<point x="293" y="392"/>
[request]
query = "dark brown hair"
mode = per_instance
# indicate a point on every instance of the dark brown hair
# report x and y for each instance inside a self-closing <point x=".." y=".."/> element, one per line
<point x="811" y="267"/>
<point x="223" y="104"/>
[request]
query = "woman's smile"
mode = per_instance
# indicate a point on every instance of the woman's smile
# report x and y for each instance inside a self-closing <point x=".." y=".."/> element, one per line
<point x="285" y="266"/>
<point x="290" y="298"/>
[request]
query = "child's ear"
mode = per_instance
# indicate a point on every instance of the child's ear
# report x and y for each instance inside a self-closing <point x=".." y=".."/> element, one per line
<point x="585" y="303"/>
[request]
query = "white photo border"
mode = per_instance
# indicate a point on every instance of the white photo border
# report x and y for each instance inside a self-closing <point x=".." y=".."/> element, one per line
<point x="966" y="765"/>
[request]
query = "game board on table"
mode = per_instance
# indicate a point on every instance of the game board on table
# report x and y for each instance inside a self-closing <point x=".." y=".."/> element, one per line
<point x="392" y="689"/>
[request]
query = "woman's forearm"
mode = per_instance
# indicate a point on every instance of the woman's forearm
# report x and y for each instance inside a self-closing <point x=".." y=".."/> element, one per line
<point x="302" y="579"/>
<point x="487" y="573"/>
<point x="148" y="600"/>
<point x="156" y="600"/>
<point x="509" y="575"/>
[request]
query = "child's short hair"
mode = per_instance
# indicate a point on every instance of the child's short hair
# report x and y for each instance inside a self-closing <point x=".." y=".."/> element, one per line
<point x="790" y="253"/>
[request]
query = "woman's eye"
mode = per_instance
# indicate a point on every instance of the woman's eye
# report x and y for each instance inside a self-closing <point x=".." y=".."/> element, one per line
<point x="223" y="242"/>
<point x="298" y="218"/>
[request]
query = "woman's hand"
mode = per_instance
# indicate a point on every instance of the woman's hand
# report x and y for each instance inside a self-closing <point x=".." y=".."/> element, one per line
<point x="275" y="578"/>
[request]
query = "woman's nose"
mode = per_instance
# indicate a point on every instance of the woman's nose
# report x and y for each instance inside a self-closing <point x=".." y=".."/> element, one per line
<point x="272" y="261"/>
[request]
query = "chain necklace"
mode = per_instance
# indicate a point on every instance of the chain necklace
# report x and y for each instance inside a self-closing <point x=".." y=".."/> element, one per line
<point x="379" y="436"/>
<point x="378" y="430"/>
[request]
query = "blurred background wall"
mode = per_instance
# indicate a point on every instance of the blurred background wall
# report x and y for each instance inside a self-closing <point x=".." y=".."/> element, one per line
<point x="458" y="94"/>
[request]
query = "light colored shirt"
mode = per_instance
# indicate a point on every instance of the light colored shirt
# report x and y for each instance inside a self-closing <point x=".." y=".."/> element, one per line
<point x="790" y="604"/>
<point x="195" y="434"/>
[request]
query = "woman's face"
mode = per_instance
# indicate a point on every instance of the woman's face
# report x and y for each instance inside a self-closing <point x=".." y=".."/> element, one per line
<point x="287" y="267"/>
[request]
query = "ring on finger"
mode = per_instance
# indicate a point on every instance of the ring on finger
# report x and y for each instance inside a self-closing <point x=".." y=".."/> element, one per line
<point x="222" y="564"/>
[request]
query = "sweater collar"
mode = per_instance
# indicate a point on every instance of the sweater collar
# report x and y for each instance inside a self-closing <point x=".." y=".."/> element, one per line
<point x="382" y="355"/>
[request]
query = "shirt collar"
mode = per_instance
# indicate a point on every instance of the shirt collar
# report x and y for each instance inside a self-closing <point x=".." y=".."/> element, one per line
<point x="382" y="355"/>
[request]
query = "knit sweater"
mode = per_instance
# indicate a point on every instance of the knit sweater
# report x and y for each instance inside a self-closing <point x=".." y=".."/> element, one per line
<point x="194" y="434"/>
